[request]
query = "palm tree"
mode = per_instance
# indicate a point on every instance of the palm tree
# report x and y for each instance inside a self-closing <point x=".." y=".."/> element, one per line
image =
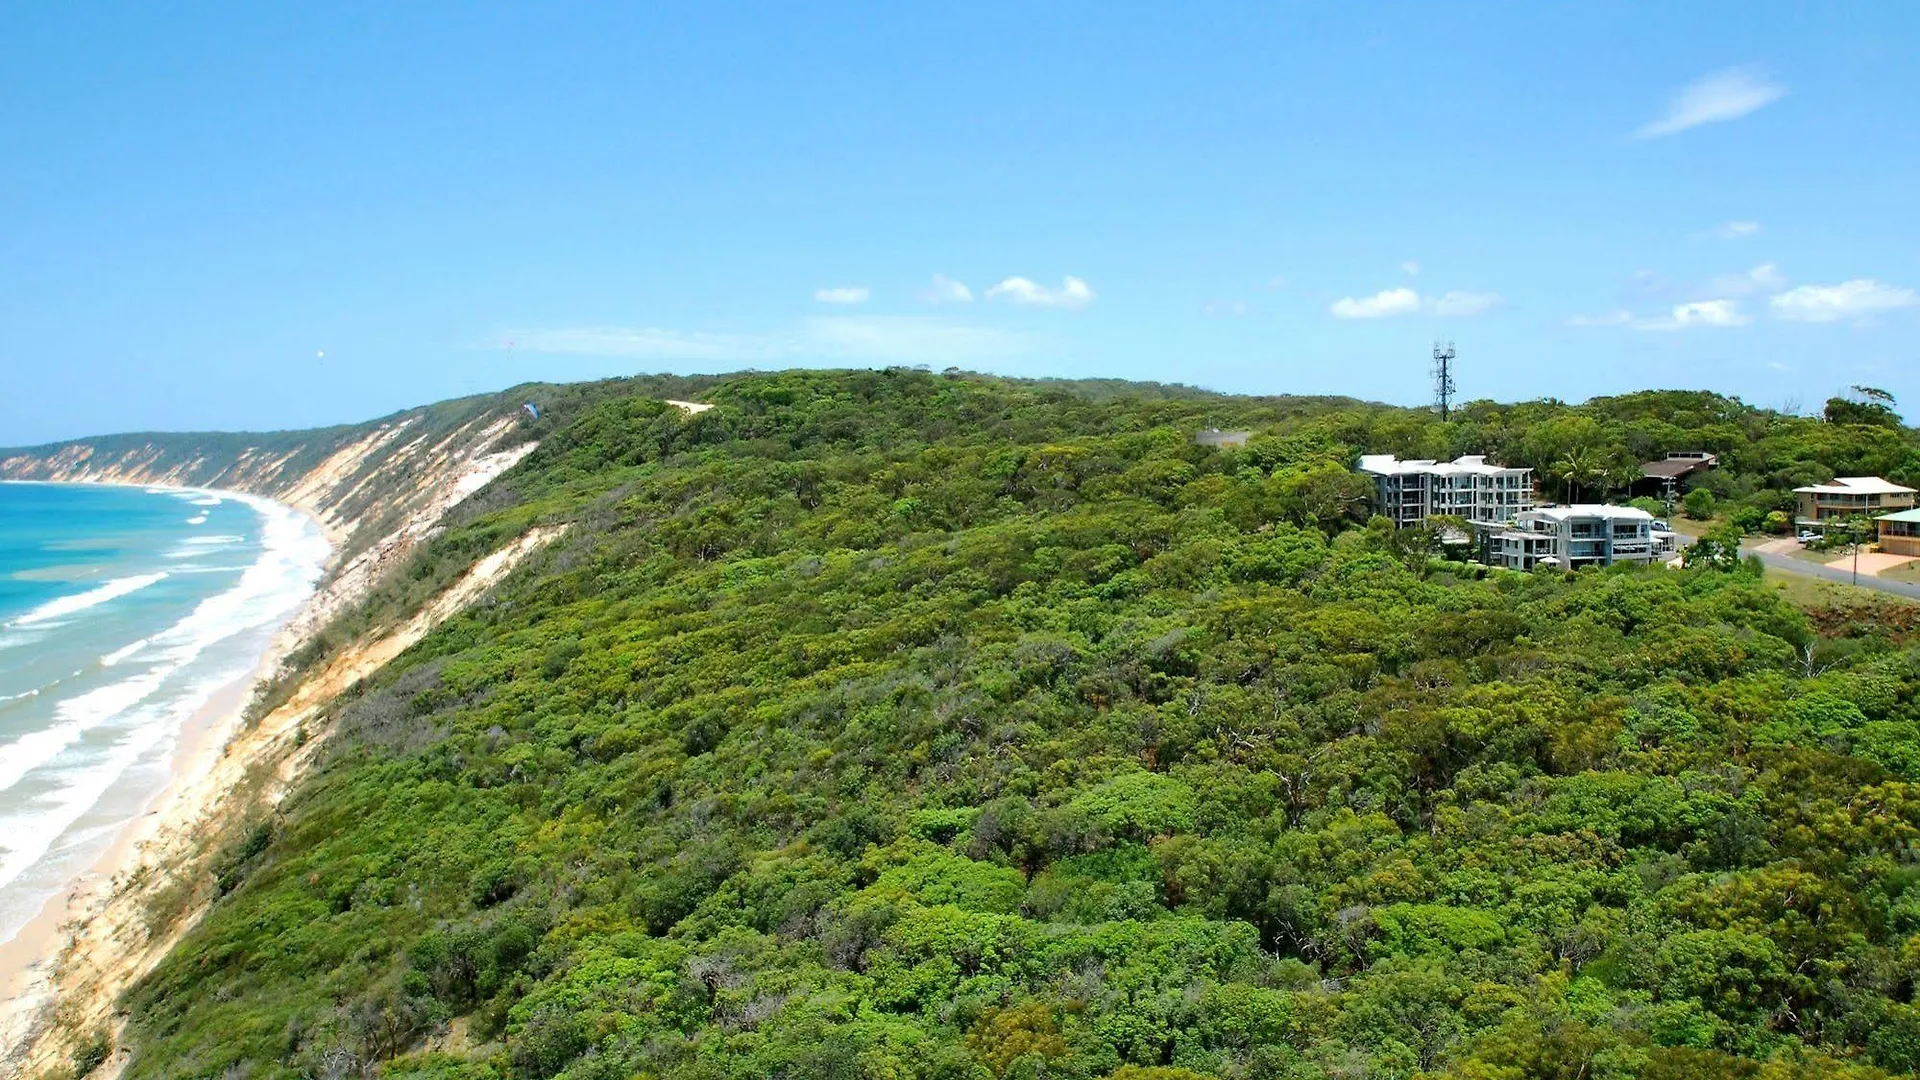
<point x="1576" y="469"/>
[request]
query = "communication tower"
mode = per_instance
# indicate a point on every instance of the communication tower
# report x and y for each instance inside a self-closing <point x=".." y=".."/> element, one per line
<point x="1443" y="378"/>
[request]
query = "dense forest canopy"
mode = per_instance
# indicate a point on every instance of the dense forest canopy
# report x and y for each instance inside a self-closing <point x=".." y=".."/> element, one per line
<point x="906" y="725"/>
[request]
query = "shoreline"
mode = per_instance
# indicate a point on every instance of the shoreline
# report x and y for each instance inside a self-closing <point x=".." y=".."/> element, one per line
<point x="30" y="959"/>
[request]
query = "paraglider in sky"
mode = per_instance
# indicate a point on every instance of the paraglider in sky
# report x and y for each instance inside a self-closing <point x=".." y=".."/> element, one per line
<point x="530" y="411"/>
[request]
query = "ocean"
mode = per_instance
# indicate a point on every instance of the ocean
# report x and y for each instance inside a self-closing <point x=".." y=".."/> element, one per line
<point x="122" y="611"/>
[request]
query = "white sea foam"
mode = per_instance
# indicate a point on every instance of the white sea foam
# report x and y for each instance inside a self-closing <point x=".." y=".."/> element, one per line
<point x="197" y="519"/>
<point x="63" y="606"/>
<point x="27" y="834"/>
<point x="117" y="655"/>
<point x="141" y="711"/>
<point x="222" y="540"/>
<point x="206" y="500"/>
<point x="76" y="716"/>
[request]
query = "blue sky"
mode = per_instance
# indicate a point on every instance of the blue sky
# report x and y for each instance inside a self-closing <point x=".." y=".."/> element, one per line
<point x="197" y="202"/>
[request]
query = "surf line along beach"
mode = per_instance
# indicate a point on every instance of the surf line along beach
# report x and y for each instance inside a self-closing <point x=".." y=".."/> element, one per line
<point x="100" y="752"/>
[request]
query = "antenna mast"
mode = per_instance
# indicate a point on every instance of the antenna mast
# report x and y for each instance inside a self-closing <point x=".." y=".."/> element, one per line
<point x="1443" y="378"/>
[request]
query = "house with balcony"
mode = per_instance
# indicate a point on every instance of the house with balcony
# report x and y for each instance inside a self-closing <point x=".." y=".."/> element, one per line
<point x="1900" y="532"/>
<point x="1410" y="492"/>
<point x="1572" y="537"/>
<point x="1850" y="496"/>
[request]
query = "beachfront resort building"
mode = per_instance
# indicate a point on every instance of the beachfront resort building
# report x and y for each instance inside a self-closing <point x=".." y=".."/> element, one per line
<point x="1850" y="496"/>
<point x="1571" y="537"/>
<point x="1409" y="492"/>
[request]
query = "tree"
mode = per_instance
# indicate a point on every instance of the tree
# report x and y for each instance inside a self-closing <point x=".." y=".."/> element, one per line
<point x="1869" y="413"/>
<point x="1719" y="549"/>
<point x="1699" y="504"/>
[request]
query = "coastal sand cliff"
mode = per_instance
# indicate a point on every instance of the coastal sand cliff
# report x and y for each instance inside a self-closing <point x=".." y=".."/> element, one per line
<point x="377" y="496"/>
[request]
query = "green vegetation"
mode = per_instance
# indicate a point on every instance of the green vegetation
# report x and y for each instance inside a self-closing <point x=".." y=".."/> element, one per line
<point x="890" y="724"/>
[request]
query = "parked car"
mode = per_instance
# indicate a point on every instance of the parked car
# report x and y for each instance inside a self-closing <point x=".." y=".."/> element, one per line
<point x="1808" y="537"/>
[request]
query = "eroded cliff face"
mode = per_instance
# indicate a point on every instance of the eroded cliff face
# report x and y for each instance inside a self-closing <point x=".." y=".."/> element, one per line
<point x="378" y="491"/>
<point x="362" y="483"/>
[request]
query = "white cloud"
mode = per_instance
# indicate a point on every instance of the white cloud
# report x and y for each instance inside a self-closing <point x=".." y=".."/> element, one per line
<point x="1224" y="307"/>
<point x="1466" y="303"/>
<point x="1404" y="301"/>
<point x="1775" y="365"/>
<point x="945" y="290"/>
<point x="1072" y="293"/>
<point x="1723" y="312"/>
<point x="1384" y="303"/>
<point x="1706" y="313"/>
<point x="843" y="294"/>
<point x="1765" y="277"/>
<point x="899" y="339"/>
<point x="1723" y="95"/>
<point x="1410" y="268"/>
<point x="1734" y="230"/>
<point x="1858" y="299"/>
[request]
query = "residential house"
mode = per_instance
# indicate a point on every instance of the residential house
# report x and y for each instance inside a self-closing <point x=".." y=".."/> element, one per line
<point x="1900" y="532"/>
<point x="1850" y="496"/>
<point x="1409" y="492"/>
<point x="1662" y="479"/>
<point x="1572" y="537"/>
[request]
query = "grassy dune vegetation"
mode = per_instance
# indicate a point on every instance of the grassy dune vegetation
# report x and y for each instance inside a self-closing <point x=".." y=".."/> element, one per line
<point x="906" y="725"/>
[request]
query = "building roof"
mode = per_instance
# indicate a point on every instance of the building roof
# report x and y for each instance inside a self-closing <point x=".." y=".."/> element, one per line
<point x="1856" y="485"/>
<point x="1904" y="515"/>
<point x="1388" y="465"/>
<point x="1562" y="513"/>
<point x="1673" y="468"/>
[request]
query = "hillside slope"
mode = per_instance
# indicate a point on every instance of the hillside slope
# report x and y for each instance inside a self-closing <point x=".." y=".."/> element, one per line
<point x="378" y="490"/>
<point x="890" y="724"/>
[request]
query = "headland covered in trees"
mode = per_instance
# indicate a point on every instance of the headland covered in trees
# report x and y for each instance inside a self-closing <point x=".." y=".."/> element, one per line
<point x="902" y="724"/>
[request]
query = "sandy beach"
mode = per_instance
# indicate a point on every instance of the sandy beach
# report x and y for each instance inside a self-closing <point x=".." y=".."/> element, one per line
<point x="29" y="960"/>
<point x="106" y="929"/>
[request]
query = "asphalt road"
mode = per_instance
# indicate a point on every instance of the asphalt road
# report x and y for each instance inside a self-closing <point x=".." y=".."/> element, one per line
<point x="1787" y="564"/>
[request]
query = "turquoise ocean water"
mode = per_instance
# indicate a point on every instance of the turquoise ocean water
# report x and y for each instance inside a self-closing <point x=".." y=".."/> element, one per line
<point x="122" y="610"/>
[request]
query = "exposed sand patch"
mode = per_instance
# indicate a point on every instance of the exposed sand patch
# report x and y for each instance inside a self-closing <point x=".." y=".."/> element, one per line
<point x="692" y="407"/>
<point x="1871" y="562"/>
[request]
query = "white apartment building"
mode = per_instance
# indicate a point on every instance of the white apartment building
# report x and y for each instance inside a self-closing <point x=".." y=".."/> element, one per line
<point x="1409" y="492"/>
<point x="1571" y="537"/>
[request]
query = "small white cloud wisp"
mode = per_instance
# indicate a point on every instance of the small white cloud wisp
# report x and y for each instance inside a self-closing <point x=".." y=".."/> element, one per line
<point x="945" y="290"/>
<point x="1766" y="277"/>
<point x="1722" y="312"/>
<point x="843" y="294"/>
<point x="1856" y="300"/>
<point x="1711" y="99"/>
<point x="1404" y="301"/>
<point x="1072" y="293"/>
<point x="1381" y="305"/>
<point x="1466" y="303"/>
